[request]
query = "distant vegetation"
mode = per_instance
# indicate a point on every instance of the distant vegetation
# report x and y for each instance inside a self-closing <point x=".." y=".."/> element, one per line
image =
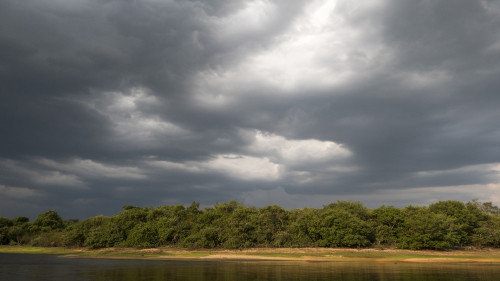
<point x="443" y="225"/>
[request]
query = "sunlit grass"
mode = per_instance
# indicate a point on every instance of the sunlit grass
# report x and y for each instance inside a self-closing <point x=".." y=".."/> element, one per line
<point x="334" y="254"/>
<point x="36" y="250"/>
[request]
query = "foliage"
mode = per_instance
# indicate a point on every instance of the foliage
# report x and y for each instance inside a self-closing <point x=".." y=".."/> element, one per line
<point x="4" y="236"/>
<point x="49" y="221"/>
<point x="143" y="235"/>
<point x="232" y="225"/>
<point x="20" y="220"/>
<point x="389" y="224"/>
<point x="48" y="239"/>
<point x="488" y="233"/>
<point x="344" y="228"/>
<point x="304" y="227"/>
<point x="106" y="235"/>
<point x="424" y="229"/>
<point x="76" y="234"/>
<point x="5" y="222"/>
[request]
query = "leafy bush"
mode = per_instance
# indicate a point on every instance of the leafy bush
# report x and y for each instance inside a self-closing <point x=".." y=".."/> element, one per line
<point x="49" y="221"/>
<point x="442" y="225"/>
<point x="424" y="229"/>
<point x="144" y="235"/>
<point x="48" y="239"/>
<point x="341" y="228"/>
<point x="104" y="236"/>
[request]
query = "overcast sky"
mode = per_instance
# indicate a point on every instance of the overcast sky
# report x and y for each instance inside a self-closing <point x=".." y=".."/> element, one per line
<point x="298" y="103"/>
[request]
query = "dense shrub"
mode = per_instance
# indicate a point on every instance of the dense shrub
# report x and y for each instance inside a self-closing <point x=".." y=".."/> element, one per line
<point x="104" y="236"/>
<point x="49" y="221"/>
<point x="143" y="235"/>
<point x="424" y="229"/>
<point x="445" y="224"/>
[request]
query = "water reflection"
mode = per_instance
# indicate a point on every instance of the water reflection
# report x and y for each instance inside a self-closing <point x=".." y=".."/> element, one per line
<point x="15" y="267"/>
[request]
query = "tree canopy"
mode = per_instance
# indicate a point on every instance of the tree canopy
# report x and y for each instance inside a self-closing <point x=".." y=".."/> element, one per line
<point x="442" y="225"/>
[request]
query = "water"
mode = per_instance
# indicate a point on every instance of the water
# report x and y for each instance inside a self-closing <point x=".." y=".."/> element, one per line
<point x="15" y="267"/>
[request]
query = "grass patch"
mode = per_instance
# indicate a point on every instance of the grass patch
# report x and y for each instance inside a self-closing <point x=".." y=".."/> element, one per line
<point x="36" y="250"/>
<point x="115" y="252"/>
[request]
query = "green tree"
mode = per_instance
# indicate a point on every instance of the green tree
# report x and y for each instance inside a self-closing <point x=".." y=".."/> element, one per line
<point x="5" y="223"/>
<point x="76" y="234"/>
<point x="389" y="224"/>
<point x="143" y="235"/>
<point x="424" y="229"/>
<point x="130" y="217"/>
<point x="173" y="225"/>
<point x="355" y="208"/>
<point x="19" y="234"/>
<point x="20" y="220"/>
<point x="4" y="236"/>
<point x="70" y="222"/>
<point x="49" y="221"/>
<point x="445" y="224"/>
<point x="488" y="233"/>
<point x="342" y="228"/>
<point x="239" y="231"/>
<point x="304" y="227"/>
<point x="486" y="207"/>
<point x="466" y="217"/>
<point x="106" y="235"/>
<point x="271" y="223"/>
<point x="48" y="239"/>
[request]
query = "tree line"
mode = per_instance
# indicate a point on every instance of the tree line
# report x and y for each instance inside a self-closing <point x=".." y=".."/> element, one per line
<point x="232" y="225"/>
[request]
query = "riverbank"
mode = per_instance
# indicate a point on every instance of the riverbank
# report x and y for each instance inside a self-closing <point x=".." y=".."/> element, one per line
<point x="282" y="254"/>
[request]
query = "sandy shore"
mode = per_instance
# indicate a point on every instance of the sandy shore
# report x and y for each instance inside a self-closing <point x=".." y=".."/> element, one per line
<point x="296" y="254"/>
<point x="270" y="254"/>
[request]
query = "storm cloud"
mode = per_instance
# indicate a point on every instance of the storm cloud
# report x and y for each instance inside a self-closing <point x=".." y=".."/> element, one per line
<point x="296" y="103"/>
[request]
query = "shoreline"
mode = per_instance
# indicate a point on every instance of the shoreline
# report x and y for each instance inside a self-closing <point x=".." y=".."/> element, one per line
<point x="270" y="254"/>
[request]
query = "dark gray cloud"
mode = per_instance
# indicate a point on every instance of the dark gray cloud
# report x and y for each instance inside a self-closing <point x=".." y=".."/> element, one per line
<point x="108" y="103"/>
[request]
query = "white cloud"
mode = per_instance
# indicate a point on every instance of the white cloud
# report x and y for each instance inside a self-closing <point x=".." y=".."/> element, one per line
<point x="56" y="178"/>
<point x="191" y="167"/>
<point x="494" y="170"/>
<point x="270" y="157"/>
<point x="43" y="176"/>
<point x="493" y="195"/>
<point x="423" y="80"/>
<point x="91" y="169"/>
<point x="483" y="192"/>
<point x="255" y="17"/>
<point x="294" y="151"/>
<point x="240" y="167"/>
<point x="429" y="195"/>
<point x="132" y="122"/>
<point x="43" y="171"/>
<point x="324" y="49"/>
<point x="303" y="162"/>
<point x="17" y="192"/>
<point x="396" y="197"/>
<point x="245" y="167"/>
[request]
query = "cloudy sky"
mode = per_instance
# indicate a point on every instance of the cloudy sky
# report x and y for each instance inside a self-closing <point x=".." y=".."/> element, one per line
<point x="291" y="102"/>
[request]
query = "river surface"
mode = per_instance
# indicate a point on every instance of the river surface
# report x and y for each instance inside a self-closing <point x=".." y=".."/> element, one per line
<point x="27" y="267"/>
